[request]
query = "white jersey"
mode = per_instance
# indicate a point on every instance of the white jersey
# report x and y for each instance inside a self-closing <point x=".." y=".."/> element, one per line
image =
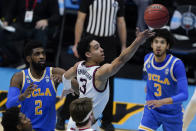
<point x="85" y="78"/>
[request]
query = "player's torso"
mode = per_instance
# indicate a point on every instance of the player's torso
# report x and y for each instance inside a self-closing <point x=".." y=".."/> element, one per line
<point x="40" y="105"/>
<point x="161" y="82"/>
<point x="87" y="88"/>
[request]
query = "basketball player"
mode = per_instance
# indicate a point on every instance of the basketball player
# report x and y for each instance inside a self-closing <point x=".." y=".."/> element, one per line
<point x="34" y="90"/>
<point x="14" y="120"/>
<point x="81" y="111"/>
<point x="92" y="78"/>
<point x="166" y="87"/>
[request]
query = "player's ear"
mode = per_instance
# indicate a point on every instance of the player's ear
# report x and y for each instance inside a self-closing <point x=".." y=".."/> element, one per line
<point x="151" y="44"/>
<point x="168" y="46"/>
<point x="88" y="54"/>
<point x="28" y="58"/>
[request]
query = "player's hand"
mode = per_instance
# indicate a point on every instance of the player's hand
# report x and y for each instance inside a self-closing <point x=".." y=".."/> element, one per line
<point x="5" y="23"/>
<point x="66" y="92"/>
<point x="28" y="91"/>
<point x="142" y="36"/>
<point x="74" y="48"/>
<point x="56" y="78"/>
<point x="154" y="103"/>
<point x="41" y="24"/>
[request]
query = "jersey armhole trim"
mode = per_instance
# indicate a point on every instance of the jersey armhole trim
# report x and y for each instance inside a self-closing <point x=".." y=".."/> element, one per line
<point x="23" y="80"/>
<point x="94" y="82"/>
<point x="171" y="70"/>
<point x="53" y="85"/>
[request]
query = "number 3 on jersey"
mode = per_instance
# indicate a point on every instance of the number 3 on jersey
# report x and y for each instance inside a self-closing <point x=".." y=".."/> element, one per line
<point x="83" y="87"/>
<point x="159" y="92"/>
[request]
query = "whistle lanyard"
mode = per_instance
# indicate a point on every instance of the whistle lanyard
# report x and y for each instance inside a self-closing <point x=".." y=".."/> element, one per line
<point x="34" y="4"/>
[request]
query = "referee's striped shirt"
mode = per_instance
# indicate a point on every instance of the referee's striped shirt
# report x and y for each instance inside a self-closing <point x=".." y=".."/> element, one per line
<point x="102" y="15"/>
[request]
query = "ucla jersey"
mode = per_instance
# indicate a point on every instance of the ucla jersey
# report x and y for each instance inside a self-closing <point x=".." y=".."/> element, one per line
<point x="40" y="105"/>
<point x="161" y="83"/>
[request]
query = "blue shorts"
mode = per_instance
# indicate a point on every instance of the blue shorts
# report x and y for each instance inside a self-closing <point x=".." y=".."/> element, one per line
<point x="152" y="120"/>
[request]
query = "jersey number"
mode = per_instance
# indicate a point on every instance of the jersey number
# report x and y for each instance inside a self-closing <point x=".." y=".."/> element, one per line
<point x="159" y="92"/>
<point x="38" y="106"/>
<point x="83" y="87"/>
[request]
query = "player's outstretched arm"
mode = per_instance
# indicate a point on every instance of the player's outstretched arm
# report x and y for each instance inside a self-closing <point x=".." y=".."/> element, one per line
<point x="108" y="70"/>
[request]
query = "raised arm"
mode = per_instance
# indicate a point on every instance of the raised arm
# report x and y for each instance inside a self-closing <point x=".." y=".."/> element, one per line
<point x="107" y="70"/>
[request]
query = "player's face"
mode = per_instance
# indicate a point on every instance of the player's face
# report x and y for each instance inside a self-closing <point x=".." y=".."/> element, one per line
<point x="38" y="58"/>
<point x="96" y="52"/>
<point x="25" y="123"/>
<point x="159" y="46"/>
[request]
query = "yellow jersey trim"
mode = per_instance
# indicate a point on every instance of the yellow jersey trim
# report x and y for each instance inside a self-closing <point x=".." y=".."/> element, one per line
<point x="171" y="70"/>
<point x="160" y="68"/>
<point x="53" y="85"/>
<point x="23" y="79"/>
<point x="144" y="69"/>
<point x="34" y="79"/>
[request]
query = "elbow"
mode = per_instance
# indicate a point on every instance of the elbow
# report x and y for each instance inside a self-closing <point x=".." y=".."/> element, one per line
<point x="8" y="105"/>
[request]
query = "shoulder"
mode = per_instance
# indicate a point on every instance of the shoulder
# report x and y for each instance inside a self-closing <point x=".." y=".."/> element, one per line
<point x="16" y="80"/>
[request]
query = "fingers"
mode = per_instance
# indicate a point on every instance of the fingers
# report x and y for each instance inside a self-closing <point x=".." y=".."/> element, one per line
<point x="56" y="78"/>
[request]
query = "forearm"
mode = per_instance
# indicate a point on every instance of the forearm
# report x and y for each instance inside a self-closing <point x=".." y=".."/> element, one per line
<point x="78" y="31"/>
<point x="13" y="97"/>
<point x="166" y="101"/>
<point x="75" y="86"/>
<point x="128" y="53"/>
<point x="122" y="32"/>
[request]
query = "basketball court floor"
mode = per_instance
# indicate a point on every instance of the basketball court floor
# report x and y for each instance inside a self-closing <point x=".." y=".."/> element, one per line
<point x="129" y="98"/>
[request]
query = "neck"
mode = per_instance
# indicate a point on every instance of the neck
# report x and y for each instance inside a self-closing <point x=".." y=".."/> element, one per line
<point x="161" y="58"/>
<point x="91" y="63"/>
<point x="35" y="73"/>
<point x="88" y="125"/>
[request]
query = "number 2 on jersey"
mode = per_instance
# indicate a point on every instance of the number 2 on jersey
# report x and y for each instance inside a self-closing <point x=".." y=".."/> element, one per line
<point x="159" y="92"/>
<point x="38" y="106"/>
<point x="83" y="87"/>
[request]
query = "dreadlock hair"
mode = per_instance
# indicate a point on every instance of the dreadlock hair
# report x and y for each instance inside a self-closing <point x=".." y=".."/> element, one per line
<point x="28" y="50"/>
<point x="10" y="119"/>
<point x="79" y="109"/>
<point x="84" y="46"/>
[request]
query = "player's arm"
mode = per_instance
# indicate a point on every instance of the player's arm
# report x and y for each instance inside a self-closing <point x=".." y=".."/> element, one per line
<point x="107" y="70"/>
<point x="68" y="79"/>
<point x="180" y="75"/>
<point x="14" y="97"/>
<point x="122" y="32"/>
<point x="57" y="75"/>
<point x="78" y="30"/>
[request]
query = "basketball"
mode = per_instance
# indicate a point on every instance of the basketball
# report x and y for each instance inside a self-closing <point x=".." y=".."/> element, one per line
<point x="156" y="16"/>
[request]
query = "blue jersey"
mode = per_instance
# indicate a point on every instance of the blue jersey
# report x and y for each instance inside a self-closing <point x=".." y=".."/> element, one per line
<point x="40" y="105"/>
<point x="161" y="83"/>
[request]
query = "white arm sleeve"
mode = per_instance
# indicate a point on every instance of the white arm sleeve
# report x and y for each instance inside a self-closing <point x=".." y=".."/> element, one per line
<point x="66" y="83"/>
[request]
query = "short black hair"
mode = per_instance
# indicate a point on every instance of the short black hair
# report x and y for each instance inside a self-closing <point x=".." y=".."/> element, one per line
<point x="84" y="46"/>
<point x="11" y="119"/>
<point x="31" y="44"/>
<point x="166" y="34"/>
